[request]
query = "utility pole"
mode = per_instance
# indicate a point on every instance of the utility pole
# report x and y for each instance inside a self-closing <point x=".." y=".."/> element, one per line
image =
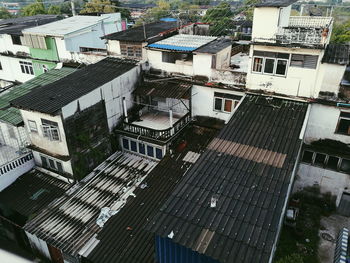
<point x="72" y="4"/>
<point x="144" y="30"/>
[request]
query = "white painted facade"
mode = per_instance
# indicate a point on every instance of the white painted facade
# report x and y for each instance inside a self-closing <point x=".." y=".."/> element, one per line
<point x="11" y="69"/>
<point x="322" y="124"/>
<point x="7" y="45"/>
<point x="203" y="102"/>
<point x="66" y="165"/>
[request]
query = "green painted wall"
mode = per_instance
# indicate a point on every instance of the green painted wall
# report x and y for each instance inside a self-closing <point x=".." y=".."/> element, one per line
<point x="39" y="66"/>
<point x="46" y="54"/>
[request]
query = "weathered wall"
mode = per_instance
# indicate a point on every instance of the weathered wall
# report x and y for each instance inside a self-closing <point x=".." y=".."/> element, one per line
<point x="322" y="124"/>
<point x="6" y="44"/>
<point x="11" y="69"/>
<point x="88" y="139"/>
<point x="330" y="76"/>
<point x="203" y="102"/>
<point x="66" y="165"/>
<point x="265" y="22"/>
<point x="15" y="137"/>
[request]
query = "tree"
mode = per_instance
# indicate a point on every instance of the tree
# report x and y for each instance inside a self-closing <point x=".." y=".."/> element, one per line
<point x="125" y="13"/>
<point x="34" y="9"/>
<point x="154" y="14"/>
<point x="4" y="14"/>
<point x="220" y="18"/>
<point x="54" y="10"/>
<point x="98" y="6"/>
<point x="293" y="258"/>
<point x="341" y="33"/>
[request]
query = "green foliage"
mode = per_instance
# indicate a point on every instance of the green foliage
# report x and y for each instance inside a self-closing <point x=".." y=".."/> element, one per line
<point x="54" y="10"/>
<point x="220" y="18"/>
<point x="154" y="14"/>
<point x="98" y="6"/>
<point x="4" y="14"/>
<point x="125" y="13"/>
<point x="37" y="8"/>
<point x="341" y="33"/>
<point x="293" y="258"/>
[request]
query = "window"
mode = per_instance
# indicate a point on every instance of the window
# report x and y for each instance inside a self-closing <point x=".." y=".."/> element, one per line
<point x="45" y="68"/>
<point x="26" y="67"/>
<point x="225" y="102"/>
<point x="131" y="49"/>
<point x="92" y="50"/>
<point x="51" y="164"/>
<point x="307" y="156"/>
<point x="32" y="126"/>
<point x="304" y="61"/>
<point x="170" y="57"/>
<point x="34" y="41"/>
<point x="270" y="63"/>
<point x="50" y="130"/>
<point x="159" y="153"/>
<point x="344" y="123"/>
<point x="16" y="40"/>
<point x="345" y="166"/>
<point x="142" y="148"/>
<point x="150" y="151"/>
<point x="332" y="163"/>
<point x="133" y="146"/>
<point x="320" y="159"/>
<point x="0" y="66"/>
<point x="125" y="144"/>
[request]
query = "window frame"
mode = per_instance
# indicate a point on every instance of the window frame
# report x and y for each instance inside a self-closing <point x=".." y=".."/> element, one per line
<point x="234" y="103"/>
<point x="276" y="59"/>
<point x="338" y="123"/>
<point x="51" y="164"/>
<point x="26" y="67"/>
<point x="30" y="126"/>
<point x="50" y="130"/>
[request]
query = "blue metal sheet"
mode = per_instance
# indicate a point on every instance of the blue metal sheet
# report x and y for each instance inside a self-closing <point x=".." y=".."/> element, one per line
<point x="168" y="251"/>
<point x="172" y="47"/>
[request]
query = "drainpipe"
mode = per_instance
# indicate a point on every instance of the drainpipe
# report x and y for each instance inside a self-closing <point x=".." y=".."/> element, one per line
<point x="171" y="122"/>
<point x="72" y="4"/>
<point x="125" y="110"/>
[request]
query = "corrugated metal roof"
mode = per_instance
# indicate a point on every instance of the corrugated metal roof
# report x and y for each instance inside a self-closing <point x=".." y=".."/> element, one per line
<point x="215" y="46"/>
<point x="70" y="223"/>
<point x="32" y="192"/>
<point x="183" y="42"/>
<point x="12" y="115"/>
<point x="66" y="26"/>
<point x="275" y="3"/>
<point x="52" y="97"/>
<point x="235" y="193"/>
<point x="176" y="89"/>
<point x="336" y="54"/>
<point x="123" y="238"/>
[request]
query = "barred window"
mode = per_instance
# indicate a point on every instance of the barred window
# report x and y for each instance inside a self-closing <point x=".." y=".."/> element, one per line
<point x="304" y="61"/>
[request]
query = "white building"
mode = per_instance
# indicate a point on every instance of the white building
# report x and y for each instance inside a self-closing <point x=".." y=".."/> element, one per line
<point x="15" y="60"/>
<point x="69" y="121"/>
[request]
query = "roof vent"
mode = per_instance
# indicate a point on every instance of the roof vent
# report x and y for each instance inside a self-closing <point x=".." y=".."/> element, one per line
<point x="214" y="200"/>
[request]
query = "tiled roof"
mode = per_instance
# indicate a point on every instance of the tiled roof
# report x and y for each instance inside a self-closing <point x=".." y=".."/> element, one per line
<point x="32" y="192"/>
<point x="123" y="238"/>
<point x="164" y="88"/>
<point x="52" y="97"/>
<point x="14" y="26"/>
<point x="183" y="42"/>
<point x="137" y="33"/>
<point x="275" y="3"/>
<point x="70" y="222"/>
<point x="215" y="46"/>
<point x="12" y="115"/>
<point x="337" y="54"/>
<point x="235" y="193"/>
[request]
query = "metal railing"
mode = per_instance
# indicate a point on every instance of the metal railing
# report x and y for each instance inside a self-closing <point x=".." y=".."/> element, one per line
<point x="307" y="36"/>
<point x="163" y="135"/>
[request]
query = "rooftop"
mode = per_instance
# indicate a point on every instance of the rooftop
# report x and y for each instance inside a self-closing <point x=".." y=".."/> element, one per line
<point x="123" y="238"/>
<point x="215" y="46"/>
<point x="137" y="34"/>
<point x="183" y="42"/>
<point x="70" y="222"/>
<point x="12" y="115"/>
<point x="229" y="205"/>
<point x="66" y="26"/>
<point x="337" y="54"/>
<point x="275" y="3"/>
<point x="52" y="97"/>
<point x="310" y="21"/>
<point x="36" y="190"/>
<point x="14" y="26"/>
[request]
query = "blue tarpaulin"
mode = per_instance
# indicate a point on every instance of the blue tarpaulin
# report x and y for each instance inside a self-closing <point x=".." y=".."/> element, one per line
<point x="172" y="47"/>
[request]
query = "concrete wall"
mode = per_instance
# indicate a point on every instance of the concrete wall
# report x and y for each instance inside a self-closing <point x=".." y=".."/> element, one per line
<point x="6" y="44"/>
<point x="11" y="70"/>
<point x="265" y="22"/>
<point x="15" y="137"/>
<point x="113" y="47"/>
<point x="330" y="76"/>
<point x="203" y="102"/>
<point x="297" y="82"/>
<point x="112" y="93"/>
<point x="327" y="180"/>
<point x="202" y="64"/>
<point x="322" y="124"/>
<point x="38" y="139"/>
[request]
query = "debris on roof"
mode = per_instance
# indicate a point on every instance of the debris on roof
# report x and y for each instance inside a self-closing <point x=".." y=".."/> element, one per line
<point x="12" y="115"/>
<point x="36" y="189"/>
<point x="70" y="223"/>
<point x="137" y="34"/>
<point x="14" y="26"/>
<point x="183" y="42"/>
<point x="235" y="193"/>
<point x="56" y="95"/>
<point x="337" y="54"/>
<point x="125" y="230"/>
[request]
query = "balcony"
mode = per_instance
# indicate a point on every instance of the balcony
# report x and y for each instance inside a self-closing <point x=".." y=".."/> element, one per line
<point x="304" y="31"/>
<point x="157" y="125"/>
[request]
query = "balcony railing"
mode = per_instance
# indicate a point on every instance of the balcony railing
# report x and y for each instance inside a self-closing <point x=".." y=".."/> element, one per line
<point x="162" y="135"/>
<point x="304" y="36"/>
